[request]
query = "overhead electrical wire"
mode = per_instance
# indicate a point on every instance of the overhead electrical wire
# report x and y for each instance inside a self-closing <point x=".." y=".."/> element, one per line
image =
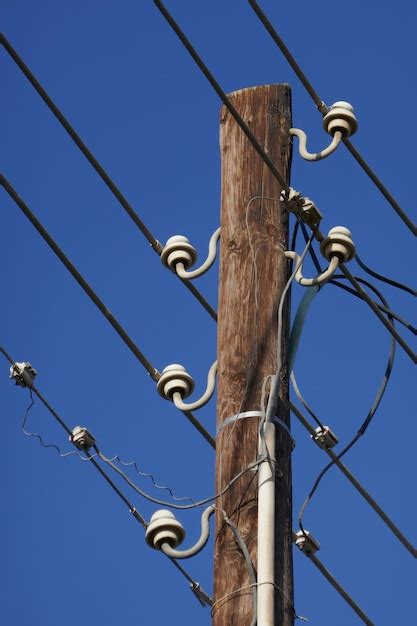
<point x="355" y="482"/>
<point x="154" y="243"/>
<point x="61" y="422"/>
<point x="363" y="427"/>
<point x="322" y="107"/>
<point x="195" y="587"/>
<point x="260" y="150"/>
<point x="385" y="279"/>
<point x="152" y="371"/>
<point x="337" y="586"/>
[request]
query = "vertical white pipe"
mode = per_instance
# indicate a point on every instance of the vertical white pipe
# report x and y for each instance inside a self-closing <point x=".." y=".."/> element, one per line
<point x="266" y="529"/>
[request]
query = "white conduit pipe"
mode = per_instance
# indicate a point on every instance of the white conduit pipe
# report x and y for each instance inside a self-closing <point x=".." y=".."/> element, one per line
<point x="266" y="528"/>
<point x="211" y="384"/>
<point x="315" y="156"/>
<point x="318" y="280"/>
<point x="211" y="257"/>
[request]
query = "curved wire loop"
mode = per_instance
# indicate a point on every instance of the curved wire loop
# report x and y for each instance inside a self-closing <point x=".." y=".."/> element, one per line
<point x="197" y="404"/>
<point x="315" y="156"/>
<point x="318" y="280"/>
<point x="211" y="257"/>
<point x="200" y="543"/>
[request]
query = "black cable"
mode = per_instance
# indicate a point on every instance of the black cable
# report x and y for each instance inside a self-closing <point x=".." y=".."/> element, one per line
<point x="79" y="278"/>
<point x="287" y="54"/>
<point x="380" y="306"/>
<point x="385" y="279"/>
<point x="321" y="106"/>
<point x="153" y="372"/>
<point x="222" y="95"/>
<point x="366" y="422"/>
<point x="274" y="170"/>
<point x="154" y="243"/>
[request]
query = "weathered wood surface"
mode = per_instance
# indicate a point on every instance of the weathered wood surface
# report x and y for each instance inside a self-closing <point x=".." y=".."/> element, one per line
<point x="253" y="272"/>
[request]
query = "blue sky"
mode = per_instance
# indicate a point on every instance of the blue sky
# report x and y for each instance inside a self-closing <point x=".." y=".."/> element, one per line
<point x="71" y="551"/>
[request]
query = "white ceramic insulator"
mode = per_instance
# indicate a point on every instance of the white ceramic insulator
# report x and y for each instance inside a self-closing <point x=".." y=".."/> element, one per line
<point x="340" y="118"/>
<point x="338" y="243"/>
<point x="169" y="549"/>
<point x="164" y="528"/>
<point x="178" y="250"/>
<point x="175" y="379"/>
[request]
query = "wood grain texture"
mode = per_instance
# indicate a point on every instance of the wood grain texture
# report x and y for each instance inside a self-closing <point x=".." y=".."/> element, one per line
<point x="253" y="272"/>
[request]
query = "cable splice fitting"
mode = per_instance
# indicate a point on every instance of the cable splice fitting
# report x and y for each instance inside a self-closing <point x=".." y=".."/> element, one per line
<point x="82" y="438"/>
<point x="178" y="250"/>
<point x="306" y="542"/>
<point x="338" y="243"/>
<point x="301" y="206"/>
<point x="163" y="528"/>
<point x="340" y="117"/>
<point x="23" y="374"/>
<point x="175" y="379"/>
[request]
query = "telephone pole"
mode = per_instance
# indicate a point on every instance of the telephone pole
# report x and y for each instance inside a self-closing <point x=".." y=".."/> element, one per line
<point x="253" y="272"/>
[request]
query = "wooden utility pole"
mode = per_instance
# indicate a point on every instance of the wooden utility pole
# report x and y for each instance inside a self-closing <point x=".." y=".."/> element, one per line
<point x="253" y="272"/>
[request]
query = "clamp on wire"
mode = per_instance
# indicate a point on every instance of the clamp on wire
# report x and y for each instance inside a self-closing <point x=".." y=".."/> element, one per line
<point x="301" y="206"/>
<point x="337" y="247"/>
<point x="179" y="255"/>
<point x="165" y="533"/>
<point x="23" y="374"/>
<point x="339" y="122"/>
<point x="176" y="383"/>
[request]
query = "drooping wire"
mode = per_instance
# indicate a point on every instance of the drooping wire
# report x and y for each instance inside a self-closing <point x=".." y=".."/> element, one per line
<point x="303" y="401"/>
<point x="366" y="422"/>
<point x="154" y="243"/>
<point x="322" y="107"/>
<point x="381" y="307"/>
<point x="385" y="279"/>
<point x="203" y="598"/>
<point x="95" y="455"/>
<point x="172" y="505"/>
<point x="152" y="371"/>
<point x="249" y="566"/>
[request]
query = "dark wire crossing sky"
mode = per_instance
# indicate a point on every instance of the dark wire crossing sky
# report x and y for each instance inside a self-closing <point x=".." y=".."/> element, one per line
<point x="135" y="97"/>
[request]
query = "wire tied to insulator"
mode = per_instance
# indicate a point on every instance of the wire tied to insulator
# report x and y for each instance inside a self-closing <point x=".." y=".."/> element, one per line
<point x="165" y="533"/>
<point x="179" y="255"/>
<point x="339" y="122"/>
<point x="337" y="247"/>
<point x="176" y="383"/>
<point x="302" y="207"/>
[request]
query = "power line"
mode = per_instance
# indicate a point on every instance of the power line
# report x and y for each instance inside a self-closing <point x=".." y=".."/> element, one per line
<point x="356" y="484"/>
<point x="154" y="243"/>
<point x="321" y="106"/>
<point x="336" y="585"/>
<point x="385" y="279"/>
<point x="366" y="422"/>
<point x="200" y="594"/>
<point x="259" y="149"/>
<point x="152" y="371"/>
